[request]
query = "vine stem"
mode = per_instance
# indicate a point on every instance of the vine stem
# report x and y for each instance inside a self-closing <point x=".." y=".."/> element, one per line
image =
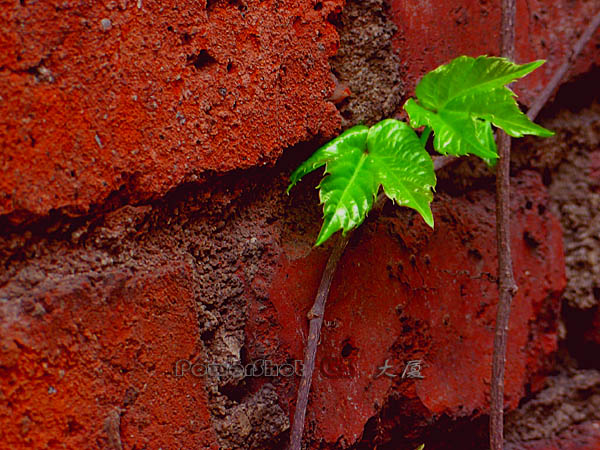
<point x="315" y="317"/>
<point x="544" y="96"/>
<point x="316" y="313"/>
<point x="507" y="287"/>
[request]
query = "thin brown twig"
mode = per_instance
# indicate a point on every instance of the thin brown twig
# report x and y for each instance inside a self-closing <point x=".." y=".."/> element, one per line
<point x="544" y="96"/>
<point x="506" y="283"/>
<point x="315" y="316"/>
<point x="507" y="287"/>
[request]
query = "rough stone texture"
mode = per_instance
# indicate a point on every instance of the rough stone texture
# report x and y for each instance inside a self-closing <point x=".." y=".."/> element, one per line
<point x="225" y="255"/>
<point x="399" y="297"/>
<point x="228" y="265"/>
<point x="70" y="380"/>
<point x="581" y="436"/>
<point x="138" y="97"/>
<point x="575" y="190"/>
<point x="366" y="64"/>
<point x="565" y="415"/>
<point x="224" y="240"/>
<point x="431" y="33"/>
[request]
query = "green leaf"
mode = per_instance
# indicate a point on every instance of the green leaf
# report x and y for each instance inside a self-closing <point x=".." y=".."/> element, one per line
<point x="461" y="100"/>
<point x="358" y="163"/>
<point x="454" y="132"/>
<point x="354" y="137"/>
<point x="403" y="166"/>
<point x="465" y="74"/>
<point x="348" y="193"/>
<point x="499" y="107"/>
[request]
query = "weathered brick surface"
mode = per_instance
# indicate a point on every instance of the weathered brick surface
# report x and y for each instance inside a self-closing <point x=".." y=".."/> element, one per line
<point x="139" y="96"/>
<point x="105" y="104"/>
<point x="135" y="98"/>
<point x="89" y="363"/>
<point x="434" y="32"/>
<point x="405" y="293"/>
<point x="402" y="292"/>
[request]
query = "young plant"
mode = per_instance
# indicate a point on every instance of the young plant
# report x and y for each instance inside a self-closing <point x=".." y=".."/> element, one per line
<point x="459" y="102"/>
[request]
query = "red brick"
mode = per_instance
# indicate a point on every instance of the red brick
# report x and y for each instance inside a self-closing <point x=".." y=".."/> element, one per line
<point x="403" y="292"/>
<point x="433" y="33"/>
<point x="172" y="90"/>
<point x="97" y="353"/>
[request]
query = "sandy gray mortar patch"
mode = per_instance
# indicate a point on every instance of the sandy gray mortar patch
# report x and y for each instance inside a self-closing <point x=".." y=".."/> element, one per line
<point x="575" y="193"/>
<point x="570" y="398"/>
<point x="367" y="63"/>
